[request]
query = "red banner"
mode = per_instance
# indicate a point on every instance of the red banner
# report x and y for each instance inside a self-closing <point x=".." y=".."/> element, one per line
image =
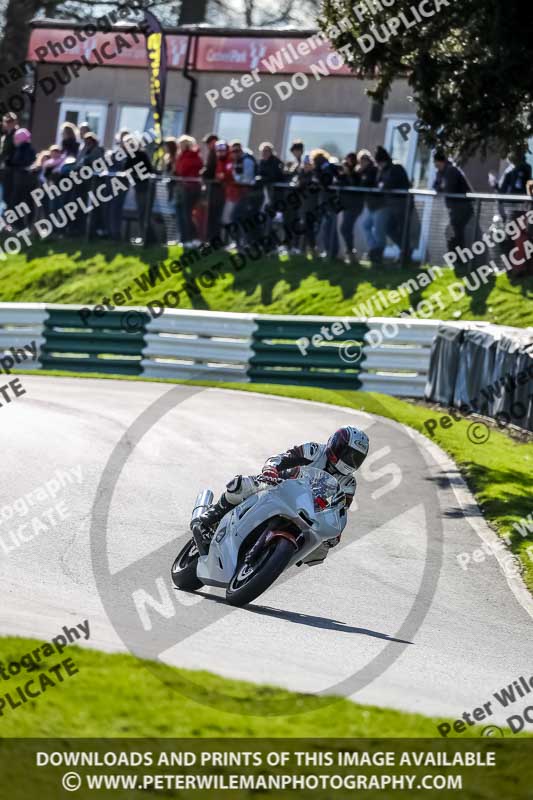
<point x="214" y="53"/>
<point x="60" y="45"/>
<point x="241" y="54"/>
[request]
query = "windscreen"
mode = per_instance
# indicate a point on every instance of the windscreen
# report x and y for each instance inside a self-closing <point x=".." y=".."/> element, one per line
<point x="324" y="487"/>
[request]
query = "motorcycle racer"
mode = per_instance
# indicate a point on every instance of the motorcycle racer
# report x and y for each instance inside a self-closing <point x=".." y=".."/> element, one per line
<point x="341" y="456"/>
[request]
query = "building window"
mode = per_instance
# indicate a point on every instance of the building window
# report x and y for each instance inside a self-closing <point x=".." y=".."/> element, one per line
<point x="234" y="125"/>
<point x="76" y="112"/>
<point x="139" y="119"/>
<point x="404" y="145"/>
<point x="335" y="133"/>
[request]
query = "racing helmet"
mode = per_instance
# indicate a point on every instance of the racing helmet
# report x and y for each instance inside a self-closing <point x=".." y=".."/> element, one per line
<point x="346" y="449"/>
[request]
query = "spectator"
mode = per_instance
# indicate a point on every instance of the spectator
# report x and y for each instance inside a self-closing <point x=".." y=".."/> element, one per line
<point x="83" y="129"/>
<point x="188" y="167"/>
<point x="515" y="178"/>
<point x="69" y="140"/>
<point x="7" y="150"/>
<point x="297" y="150"/>
<point x="215" y="193"/>
<point x="24" y="181"/>
<point x="306" y="217"/>
<point x="325" y="173"/>
<point x="270" y="171"/>
<point x="387" y="213"/>
<point x="353" y="204"/>
<point x="117" y="164"/>
<point x="170" y="148"/>
<point x="208" y="172"/>
<point x="242" y="168"/>
<point x="142" y="188"/>
<point x="295" y="174"/>
<point x="37" y="169"/>
<point x="90" y="151"/>
<point x="219" y="188"/>
<point x="392" y="176"/>
<point x="53" y="162"/>
<point x="451" y="180"/>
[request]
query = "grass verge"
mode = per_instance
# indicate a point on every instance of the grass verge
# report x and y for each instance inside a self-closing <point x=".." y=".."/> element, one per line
<point x="70" y="272"/>
<point x="123" y="696"/>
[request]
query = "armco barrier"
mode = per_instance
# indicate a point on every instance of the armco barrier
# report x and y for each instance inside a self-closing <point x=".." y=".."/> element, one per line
<point x="19" y="326"/>
<point x="395" y="356"/>
<point x="296" y="350"/>
<point x="385" y="355"/>
<point x="188" y="344"/>
<point x="102" y="344"/>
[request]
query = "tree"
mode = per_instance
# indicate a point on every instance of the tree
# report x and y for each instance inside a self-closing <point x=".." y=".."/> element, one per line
<point x="468" y="65"/>
<point x="264" y="13"/>
<point x="193" y="12"/>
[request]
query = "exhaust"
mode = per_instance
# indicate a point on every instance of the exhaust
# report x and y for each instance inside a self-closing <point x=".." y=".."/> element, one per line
<point x="203" y="501"/>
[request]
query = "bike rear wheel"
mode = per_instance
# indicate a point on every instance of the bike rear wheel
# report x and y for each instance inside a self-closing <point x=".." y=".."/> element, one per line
<point x="184" y="568"/>
<point x="251" y="580"/>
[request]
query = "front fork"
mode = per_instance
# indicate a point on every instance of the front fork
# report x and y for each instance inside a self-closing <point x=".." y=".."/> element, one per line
<point x="197" y="535"/>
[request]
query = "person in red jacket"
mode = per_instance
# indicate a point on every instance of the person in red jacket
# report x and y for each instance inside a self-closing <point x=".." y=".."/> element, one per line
<point x="188" y="167"/>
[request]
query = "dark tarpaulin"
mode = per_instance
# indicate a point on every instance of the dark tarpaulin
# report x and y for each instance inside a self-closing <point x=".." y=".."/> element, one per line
<point x="443" y="364"/>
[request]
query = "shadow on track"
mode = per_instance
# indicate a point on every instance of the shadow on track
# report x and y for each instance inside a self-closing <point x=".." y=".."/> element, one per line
<point x="305" y="619"/>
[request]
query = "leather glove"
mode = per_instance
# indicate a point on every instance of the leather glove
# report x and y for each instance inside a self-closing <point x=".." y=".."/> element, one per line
<point x="270" y="475"/>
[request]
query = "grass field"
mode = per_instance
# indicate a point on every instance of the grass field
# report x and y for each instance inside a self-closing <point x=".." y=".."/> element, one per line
<point x="70" y="273"/>
<point x="122" y="696"/>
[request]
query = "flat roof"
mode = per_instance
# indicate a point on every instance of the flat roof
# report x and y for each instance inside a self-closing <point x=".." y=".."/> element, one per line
<point x="196" y="30"/>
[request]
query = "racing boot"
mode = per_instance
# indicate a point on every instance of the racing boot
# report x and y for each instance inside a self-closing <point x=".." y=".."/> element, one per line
<point x="208" y="521"/>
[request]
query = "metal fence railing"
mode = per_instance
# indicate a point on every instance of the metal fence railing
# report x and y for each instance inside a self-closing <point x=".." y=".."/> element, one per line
<point x="417" y="226"/>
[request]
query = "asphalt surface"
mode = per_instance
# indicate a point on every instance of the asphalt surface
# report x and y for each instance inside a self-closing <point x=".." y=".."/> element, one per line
<point x="390" y="618"/>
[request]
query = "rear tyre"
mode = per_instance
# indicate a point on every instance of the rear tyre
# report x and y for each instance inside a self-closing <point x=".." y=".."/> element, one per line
<point x="184" y="568"/>
<point x="250" y="581"/>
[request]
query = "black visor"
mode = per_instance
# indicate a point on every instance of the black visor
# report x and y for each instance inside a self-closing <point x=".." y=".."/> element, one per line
<point x="353" y="458"/>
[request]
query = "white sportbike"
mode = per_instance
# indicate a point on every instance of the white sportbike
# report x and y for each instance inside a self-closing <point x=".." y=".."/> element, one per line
<point x="274" y="529"/>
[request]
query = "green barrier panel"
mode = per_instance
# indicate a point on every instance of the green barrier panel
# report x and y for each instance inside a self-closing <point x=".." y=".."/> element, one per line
<point x="296" y="329"/>
<point x="328" y="380"/>
<point x="95" y="343"/>
<point x="282" y="356"/>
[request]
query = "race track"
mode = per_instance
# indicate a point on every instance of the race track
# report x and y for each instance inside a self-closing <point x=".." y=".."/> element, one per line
<point x="389" y="619"/>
